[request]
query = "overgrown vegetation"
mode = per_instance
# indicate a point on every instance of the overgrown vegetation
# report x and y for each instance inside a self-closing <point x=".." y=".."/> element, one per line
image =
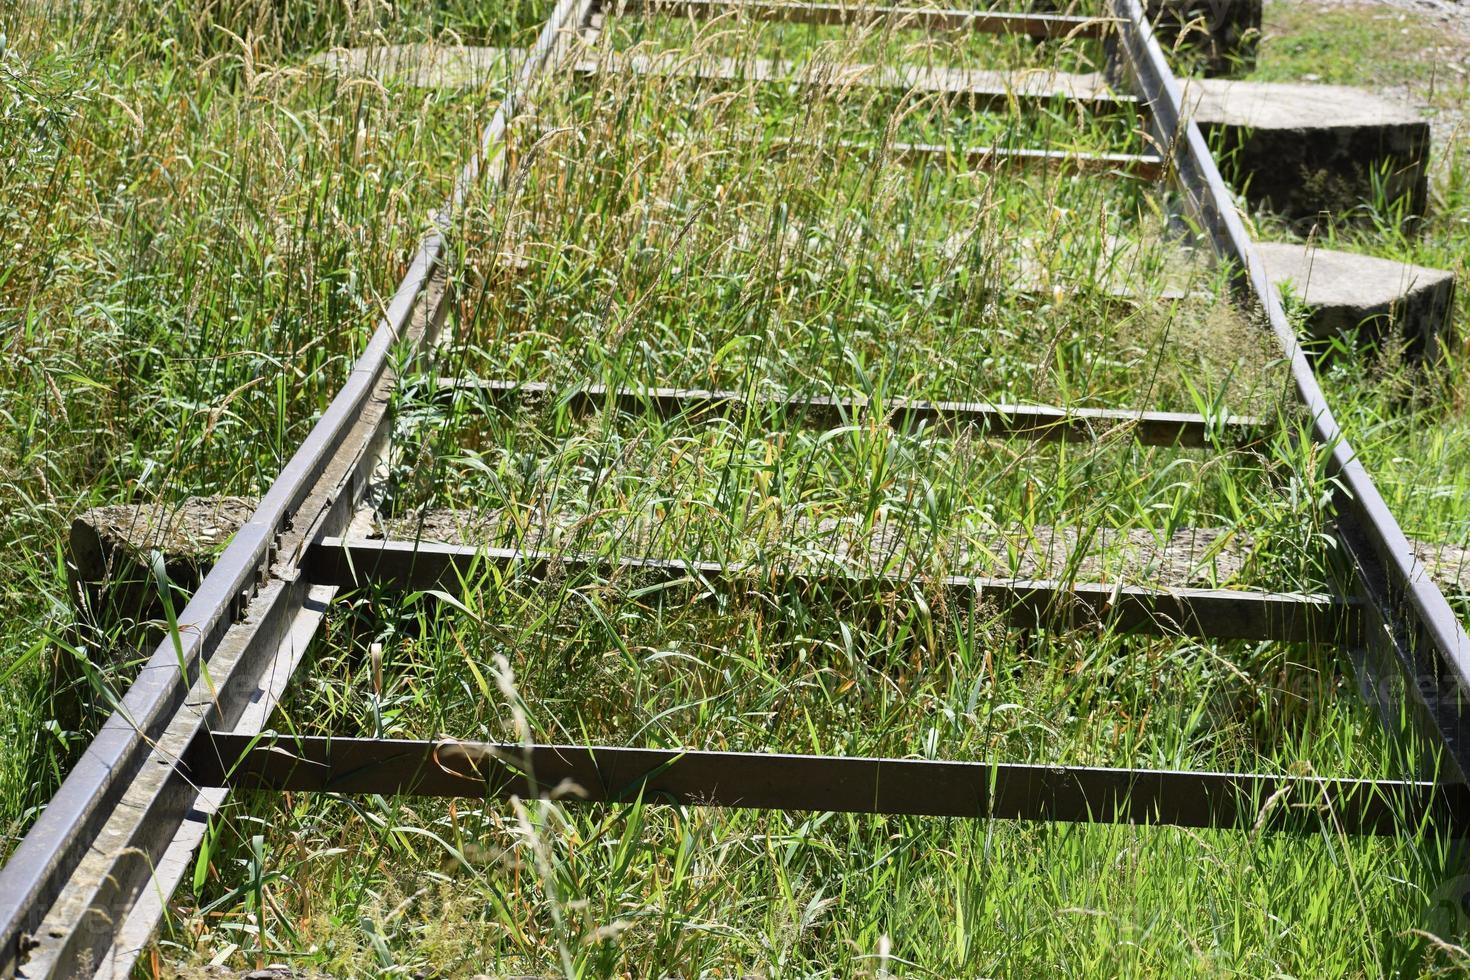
<point x="1412" y="428"/>
<point x="198" y="232"/>
<point x="203" y="226"/>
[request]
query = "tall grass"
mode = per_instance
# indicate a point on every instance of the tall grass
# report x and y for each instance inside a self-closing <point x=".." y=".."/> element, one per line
<point x="1409" y="422"/>
<point x="209" y="226"/>
<point x="198" y="232"/>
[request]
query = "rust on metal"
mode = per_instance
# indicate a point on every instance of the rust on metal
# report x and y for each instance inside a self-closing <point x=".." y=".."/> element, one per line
<point x="1041" y="423"/>
<point x="846" y="784"/>
<point x="1214" y="613"/>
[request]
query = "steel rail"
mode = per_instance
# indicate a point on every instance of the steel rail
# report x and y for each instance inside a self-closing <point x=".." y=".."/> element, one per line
<point x="239" y="590"/>
<point x="1033" y="25"/>
<point x="424" y="566"/>
<point x="1416" y="637"/>
<point x="843" y="784"/>
<point x="979" y="89"/>
<point x="981" y="157"/>
<point x="240" y="596"/>
<point x="1041" y="423"/>
<point x="1143" y="166"/>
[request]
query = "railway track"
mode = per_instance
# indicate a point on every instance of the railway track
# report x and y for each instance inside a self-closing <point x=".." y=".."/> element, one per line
<point x="85" y="890"/>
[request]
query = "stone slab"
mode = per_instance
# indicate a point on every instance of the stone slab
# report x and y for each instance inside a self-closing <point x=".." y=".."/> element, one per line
<point x="447" y="66"/>
<point x="980" y="86"/>
<point x="111" y="556"/>
<point x="1304" y="150"/>
<point x="425" y="65"/>
<point x="120" y="615"/>
<point x="1201" y="556"/>
<point x="1371" y="298"/>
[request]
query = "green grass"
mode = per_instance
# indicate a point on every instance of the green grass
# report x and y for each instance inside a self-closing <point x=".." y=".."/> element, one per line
<point x="1364" y="44"/>
<point x="1411" y="427"/>
<point x="198" y="235"/>
<point x="204" y="240"/>
<point x="884" y="42"/>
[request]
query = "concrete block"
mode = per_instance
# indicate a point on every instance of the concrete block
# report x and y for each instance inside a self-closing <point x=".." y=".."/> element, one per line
<point x="1379" y="299"/>
<point x="111" y="558"/>
<point x="1306" y="150"/>
<point x="423" y="65"/>
<point x="120" y="616"/>
<point x="1192" y="556"/>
